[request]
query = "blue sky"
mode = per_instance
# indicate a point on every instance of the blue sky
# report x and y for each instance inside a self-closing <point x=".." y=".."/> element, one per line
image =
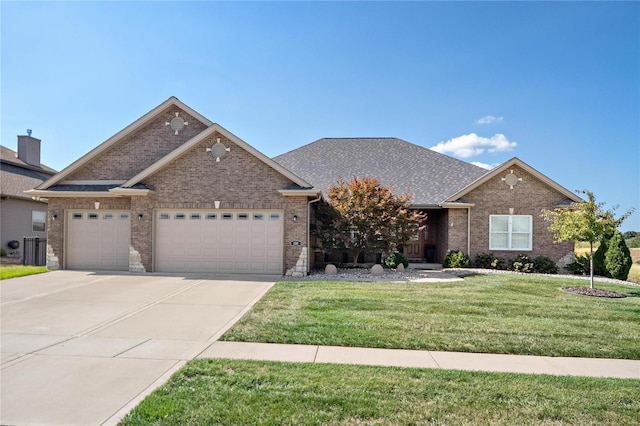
<point x="556" y="84"/>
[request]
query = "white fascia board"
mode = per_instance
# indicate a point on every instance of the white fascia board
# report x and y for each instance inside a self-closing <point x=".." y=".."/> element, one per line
<point x="131" y="191"/>
<point x="299" y="192"/>
<point x="457" y="205"/>
<point x="70" y="194"/>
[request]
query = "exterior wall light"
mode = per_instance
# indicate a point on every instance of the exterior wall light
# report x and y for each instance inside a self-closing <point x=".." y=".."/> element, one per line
<point x="295" y="217"/>
<point x="96" y="205"/>
<point x="140" y="216"/>
<point x="54" y="217"/>
<point x="216" y="204"/>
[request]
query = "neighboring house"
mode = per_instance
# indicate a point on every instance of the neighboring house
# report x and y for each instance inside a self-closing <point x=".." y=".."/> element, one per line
<point x="20" y="215"/>
<point x="175" y="192"/>
<point x="468" y="208"/>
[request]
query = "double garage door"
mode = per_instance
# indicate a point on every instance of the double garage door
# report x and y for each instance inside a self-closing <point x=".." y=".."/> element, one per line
<point x="247" y="241"/>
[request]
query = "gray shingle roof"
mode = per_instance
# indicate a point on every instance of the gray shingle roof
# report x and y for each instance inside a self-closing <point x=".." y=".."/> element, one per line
<point x="17" y="176"/>
<point x="430" y="177"/>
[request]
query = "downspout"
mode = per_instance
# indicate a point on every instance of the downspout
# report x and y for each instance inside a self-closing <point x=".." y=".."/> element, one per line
<point x="309" y="230"/>
<point x="469" y="231"/>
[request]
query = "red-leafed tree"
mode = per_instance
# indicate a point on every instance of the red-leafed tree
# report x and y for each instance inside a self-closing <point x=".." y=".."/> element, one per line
<point x="364" y="215"/>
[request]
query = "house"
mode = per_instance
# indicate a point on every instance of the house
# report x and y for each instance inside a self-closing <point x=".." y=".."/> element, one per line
<point x="20" y="215"/>
<point x="468" y="208"/>
<point x="176" y="192"/>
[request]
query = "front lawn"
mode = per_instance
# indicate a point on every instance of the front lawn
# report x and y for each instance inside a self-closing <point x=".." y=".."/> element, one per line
<point x="14" y="271"/>
<point x="503" y="313"/>
<point x="225" y="392"/>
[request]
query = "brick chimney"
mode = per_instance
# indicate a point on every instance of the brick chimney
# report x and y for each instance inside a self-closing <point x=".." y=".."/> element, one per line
<point x="29" y="149"/>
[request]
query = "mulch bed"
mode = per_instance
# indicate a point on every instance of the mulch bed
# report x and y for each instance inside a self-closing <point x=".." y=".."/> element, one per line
<point x="594" y="292"/>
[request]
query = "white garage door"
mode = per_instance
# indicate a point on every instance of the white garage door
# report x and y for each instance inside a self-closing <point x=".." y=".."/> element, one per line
<point x="98" y="240"/>
<point x="248" y="241"/>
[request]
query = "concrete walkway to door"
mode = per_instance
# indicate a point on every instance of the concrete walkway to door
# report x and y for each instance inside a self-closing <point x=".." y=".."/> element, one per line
<point x="83" y="348"/>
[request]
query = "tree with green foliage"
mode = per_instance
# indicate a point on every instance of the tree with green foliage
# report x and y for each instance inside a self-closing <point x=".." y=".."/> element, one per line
<point x="618" y="258"/>
<point x="599" y="267"/>
<point x="584" y="221"/>
<point x="362" y="214"/>
<point x="629" y="234"/>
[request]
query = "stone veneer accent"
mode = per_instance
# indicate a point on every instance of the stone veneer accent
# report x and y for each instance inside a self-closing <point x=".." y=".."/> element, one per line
<point x="300" y="268"/>
<point x="135" y="261"/>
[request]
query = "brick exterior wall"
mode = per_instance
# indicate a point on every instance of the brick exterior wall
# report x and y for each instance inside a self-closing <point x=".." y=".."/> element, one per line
<point x="528" y="197"/>
<point x="193" y="181"/>
<point x="140" y="149"/>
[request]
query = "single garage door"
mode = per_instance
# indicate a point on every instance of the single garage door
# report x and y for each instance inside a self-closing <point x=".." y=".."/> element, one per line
<point x="247" y="241"/>
<point x="98" y="240"/>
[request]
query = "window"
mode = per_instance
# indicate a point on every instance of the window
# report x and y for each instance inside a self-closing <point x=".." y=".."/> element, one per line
<point x="107" y="216"/>
<point x="77" y="216"/>
<point x="124" y="216"/>
<point x="258" y="216"/>
<point x="38" y="221"/>
<point x="243" y="216"/>
<point x="211" y="216"/>
<point x="274" y="216"/>
<point x="179" y="216"/>
<point x="93" y="216"/>
<point x="227" y="216"/>
<point x="194" y="216"/>
<point x="164" y="216"/>
<point x="510" y="232"/>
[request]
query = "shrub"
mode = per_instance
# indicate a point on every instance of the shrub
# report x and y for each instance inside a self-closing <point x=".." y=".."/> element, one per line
<point x="395" y="258"/>
<point x="599" y="267"/>
<point x="521" y="263"/>
<point x="544" y="265"/>
<point x="3" y="252"/>
<point x="580" y="266"/>
<point x="618" y="258"/>
<point x="488" y="261"/>
<point x="456" y="259"/>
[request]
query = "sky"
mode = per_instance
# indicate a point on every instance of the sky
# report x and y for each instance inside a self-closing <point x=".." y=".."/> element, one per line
<point x="556" y="84"/>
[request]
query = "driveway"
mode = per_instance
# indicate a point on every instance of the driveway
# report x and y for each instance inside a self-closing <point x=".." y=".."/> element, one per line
<point x="83" y="348"/>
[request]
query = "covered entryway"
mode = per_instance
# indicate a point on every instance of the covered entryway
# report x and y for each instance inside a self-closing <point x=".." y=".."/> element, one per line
<point x="98" y="240"/>
<point x="247" y="241"/>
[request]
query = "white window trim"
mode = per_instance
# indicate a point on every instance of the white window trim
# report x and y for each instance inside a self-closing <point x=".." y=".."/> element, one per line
<point x="510" y="232"/>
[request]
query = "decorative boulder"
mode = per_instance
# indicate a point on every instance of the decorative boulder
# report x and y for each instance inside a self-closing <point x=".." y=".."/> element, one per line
<point x="376" y="270"/>
<point x="400" y="268"/>
<point x="330" y="270"/>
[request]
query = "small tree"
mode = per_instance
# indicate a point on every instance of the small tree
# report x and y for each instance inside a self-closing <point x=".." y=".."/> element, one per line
<point x="584" y="221"/>
<point x="618" y="258"/>
<point x="366" y="215"/>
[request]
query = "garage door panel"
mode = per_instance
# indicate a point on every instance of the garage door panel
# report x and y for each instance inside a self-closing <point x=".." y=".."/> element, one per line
<point x="219" y="241"/>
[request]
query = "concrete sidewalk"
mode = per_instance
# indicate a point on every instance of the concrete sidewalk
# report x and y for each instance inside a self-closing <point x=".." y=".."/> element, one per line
<point x="559" y="366"/>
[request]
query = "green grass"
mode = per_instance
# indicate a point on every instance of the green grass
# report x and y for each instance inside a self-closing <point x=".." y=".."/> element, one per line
<point x="512" y="314"/>
<point x="14" y="271"/>
<point x="225" y="392"/>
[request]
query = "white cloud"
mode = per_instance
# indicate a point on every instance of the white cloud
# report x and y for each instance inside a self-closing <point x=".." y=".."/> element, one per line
<point x="472" y="145"/>
<point x="488" y="119"/>
<point x="483" y="165"/>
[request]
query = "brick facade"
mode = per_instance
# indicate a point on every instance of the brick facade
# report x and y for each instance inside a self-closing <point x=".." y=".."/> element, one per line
<point x="140" y="149"/>
<point x="528" y="197"/>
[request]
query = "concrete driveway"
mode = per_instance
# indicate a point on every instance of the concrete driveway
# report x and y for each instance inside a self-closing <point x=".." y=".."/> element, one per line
<point x="83" y="348"/>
